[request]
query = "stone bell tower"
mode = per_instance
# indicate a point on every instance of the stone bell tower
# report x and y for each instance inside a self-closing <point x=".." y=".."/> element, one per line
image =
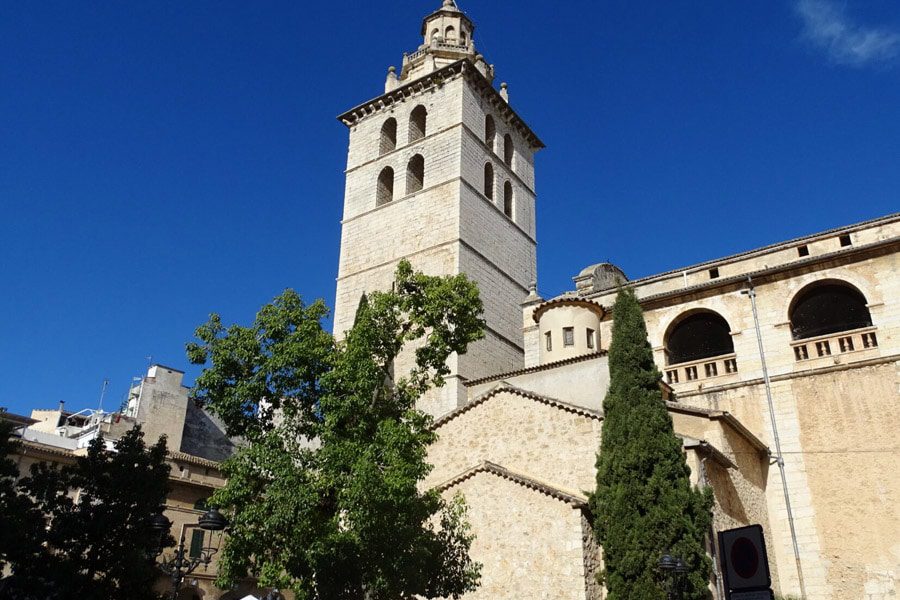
<point x="440" y="171"/>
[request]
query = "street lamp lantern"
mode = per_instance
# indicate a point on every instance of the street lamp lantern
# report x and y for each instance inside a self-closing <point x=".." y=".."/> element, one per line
<point x="179" y="565"/>
<point x="674" y="571"/>
<point x="667" y="564"/>
<point x="212" y="520"/>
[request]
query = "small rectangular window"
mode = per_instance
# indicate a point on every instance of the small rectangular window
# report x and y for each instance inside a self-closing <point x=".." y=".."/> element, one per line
<point x="672" y="376"/>
<point x="548" y="341"/>
<point x="196" y="548"/>
<point x="690" y="373"/>
<point x="711" y="369"/>
<point x="714" y="273"/>
<point x="845" y="240"/>
<point x="590" y="338"/>
<point x="823" y="348"/>
<point x="568" y="336"/>
<point x="869" y="340"/>
<point x="846" y="344"/>
<point x="801" y="353"/>
<point x="803" y="250"/>
<point x="731" y="365"/>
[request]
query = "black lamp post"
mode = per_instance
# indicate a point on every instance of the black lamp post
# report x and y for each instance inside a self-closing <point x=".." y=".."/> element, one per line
<point x="674" y="571"/>
<point x="180" y="566"/>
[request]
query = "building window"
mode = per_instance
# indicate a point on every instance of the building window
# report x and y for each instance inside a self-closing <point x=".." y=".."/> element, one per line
<point x="450" y="34"/>
<point x="690" y="373"/>
<point x="672" y="376"/>
<point x="803" y="250"/>
<point x="388" y="136"/>
<point x="801" y="353"/>
<point x="697" y="336"/>
<point x="869" y="340"/>
<point x="508" y="199"/>
<point x="823" y="348"/>
<point x="197" y="539"/>
<point x="826" y="308"/>
<point x="845" y="240"/>
<point x="418" y="119"/>
<point x="489" y="180"/>
<point x="490" y="131"/>
<point x="548" y="341"/>
<point x="731" y="365"/>
<point x="568" y="336"/>
<point x="435" y="33"/>
<point x="711" y="369"/>
<point x="463" y="40"/>
<point x="508" y="150"/>
<point x="714" y="273"/>
<point x="590" y="338"/>
<point x="385" y="192"/>
<point x="415" y="174"/>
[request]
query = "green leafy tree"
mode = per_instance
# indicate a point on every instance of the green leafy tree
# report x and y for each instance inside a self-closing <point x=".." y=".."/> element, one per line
<point x="21" y="522"/>
<point x="326" y="497"/>
<point x="97" y="540"/>
<point x="644" y="504"/>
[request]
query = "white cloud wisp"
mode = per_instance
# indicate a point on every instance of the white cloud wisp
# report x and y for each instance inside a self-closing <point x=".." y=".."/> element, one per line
<point x="826" y="26"/>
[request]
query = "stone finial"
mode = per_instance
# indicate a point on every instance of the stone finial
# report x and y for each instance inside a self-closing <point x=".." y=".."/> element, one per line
<point x="504" y="92"/>
<point x="392" y="82"/>
<point x="533" y="297"/>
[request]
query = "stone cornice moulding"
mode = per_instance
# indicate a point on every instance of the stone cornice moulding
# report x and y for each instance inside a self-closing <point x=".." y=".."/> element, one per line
<point x="506" y="387"/>
<point x="571" y="498"/>
<point x="463" y="67"/>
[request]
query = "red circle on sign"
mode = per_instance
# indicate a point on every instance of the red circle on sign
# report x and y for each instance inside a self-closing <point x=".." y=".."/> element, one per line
<point x="744" y="557"/>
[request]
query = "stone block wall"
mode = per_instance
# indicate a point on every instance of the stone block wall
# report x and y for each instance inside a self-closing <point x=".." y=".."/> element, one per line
<point x="521" y="560"/>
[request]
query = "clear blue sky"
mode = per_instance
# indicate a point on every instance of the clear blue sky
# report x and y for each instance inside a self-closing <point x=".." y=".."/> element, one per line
<point x="162" y="160"/>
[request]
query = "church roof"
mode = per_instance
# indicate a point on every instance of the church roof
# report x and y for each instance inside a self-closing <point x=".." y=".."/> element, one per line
<point x="722" y="415"/>
<point x="704" y="447"/>
<point x="537" y="368"/>
<point x="505" y="387"/>
<point x="574" y="499"/>
<point x="568" y="301"/>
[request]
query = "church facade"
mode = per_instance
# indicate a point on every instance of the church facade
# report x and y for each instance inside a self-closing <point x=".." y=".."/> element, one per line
<point x="781" y="365"/>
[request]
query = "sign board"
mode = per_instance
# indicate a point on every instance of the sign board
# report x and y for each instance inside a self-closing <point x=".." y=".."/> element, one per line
<point x="745" y="563"/>
<point x="754" y="595"/>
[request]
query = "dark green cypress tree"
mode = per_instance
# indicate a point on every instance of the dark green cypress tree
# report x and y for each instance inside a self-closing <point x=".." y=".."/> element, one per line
<point x="644" y="504"/>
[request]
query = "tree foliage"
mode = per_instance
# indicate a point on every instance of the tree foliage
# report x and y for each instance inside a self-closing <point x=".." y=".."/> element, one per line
<point x="95" y="539"/>
<point x="21" y="522"/>
<point x="644" y="504"/>
<point x="325" y="499"/>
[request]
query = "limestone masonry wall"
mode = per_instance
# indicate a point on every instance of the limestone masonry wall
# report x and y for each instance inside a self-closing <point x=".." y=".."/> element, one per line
<point x="520" y="560"/>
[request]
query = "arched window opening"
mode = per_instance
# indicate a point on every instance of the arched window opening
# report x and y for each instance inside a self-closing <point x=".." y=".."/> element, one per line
<point x="417" y="122"/>
<point x="463" y="40"/>
<point x="698" y="336"/>
<point x="508" y="199"/>
<point x="385" y="191"/>
<point x="490" y="131"/>
<point x="435" y="33"/>
<point x="489" y="180"/>
<point x="828" y="308"/>
<point x="508" y="150"/>
<point x="450" y="34"/>
<point x="388" y="136"/>
<point x="415" y="174"/>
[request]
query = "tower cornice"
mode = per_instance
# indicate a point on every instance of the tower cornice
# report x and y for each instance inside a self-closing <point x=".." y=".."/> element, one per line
<point x="462" y="67"/>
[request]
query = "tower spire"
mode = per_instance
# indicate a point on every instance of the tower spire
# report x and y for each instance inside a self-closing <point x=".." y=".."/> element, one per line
<point x="447" y="36"/>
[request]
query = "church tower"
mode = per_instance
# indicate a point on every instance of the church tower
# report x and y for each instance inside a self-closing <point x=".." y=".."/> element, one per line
<point x="440" y="171"/>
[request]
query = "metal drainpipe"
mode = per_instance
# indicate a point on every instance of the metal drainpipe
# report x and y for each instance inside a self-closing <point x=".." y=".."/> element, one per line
<point x="779" y="460"/>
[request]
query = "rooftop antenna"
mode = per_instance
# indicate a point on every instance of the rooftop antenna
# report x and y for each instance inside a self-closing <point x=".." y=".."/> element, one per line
<point x="102" y="394"/>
